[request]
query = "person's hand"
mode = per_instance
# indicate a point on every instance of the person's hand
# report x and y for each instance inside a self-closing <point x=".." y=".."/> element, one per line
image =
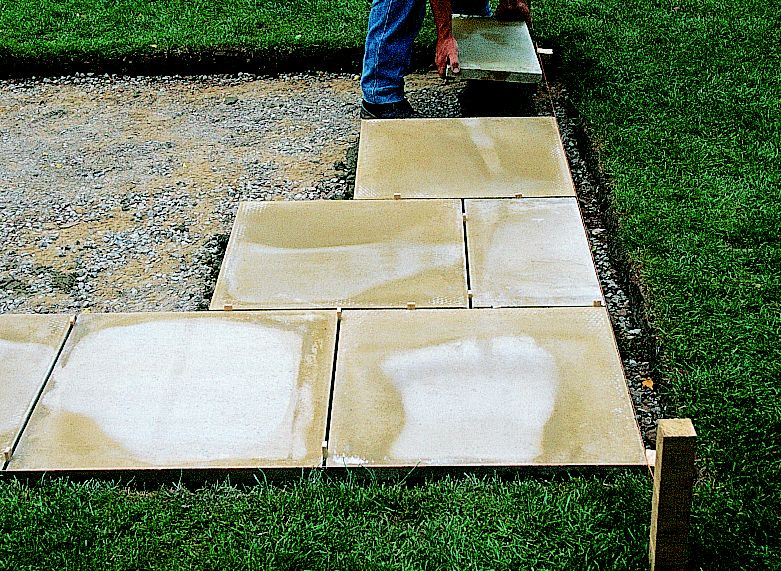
<point x="447" y="52"/>
<point x="511" y="10"/>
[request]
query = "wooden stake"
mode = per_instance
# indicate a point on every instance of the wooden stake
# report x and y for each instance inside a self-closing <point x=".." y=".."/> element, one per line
<point x="673" y="483"/>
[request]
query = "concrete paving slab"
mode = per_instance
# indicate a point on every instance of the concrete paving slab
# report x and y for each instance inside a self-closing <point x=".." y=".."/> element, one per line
<point x="28" y="347"/>
<point x="185" y="390"/>
<point x="344" y="254"/>
<point x="501" y="387"/>
<point x="497" y="51"/>
<point x="529" y="252"/>
<point x="485" y="157"/>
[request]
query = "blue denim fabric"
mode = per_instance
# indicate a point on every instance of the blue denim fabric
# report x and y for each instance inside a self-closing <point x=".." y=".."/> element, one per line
<point x="393" y="27"/>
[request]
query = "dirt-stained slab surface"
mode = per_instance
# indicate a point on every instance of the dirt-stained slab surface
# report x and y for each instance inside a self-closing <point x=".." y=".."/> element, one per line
<point x="321" y="254"/>
<point x="462" y="158"/>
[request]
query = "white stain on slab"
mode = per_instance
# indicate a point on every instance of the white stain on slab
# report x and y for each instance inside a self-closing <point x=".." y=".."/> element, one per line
<point x="344" y="254"/>
<point x="189" y="392"/>
<point x="474" y="400"/>
<point x="530" y="252"/>
<point x="322" y="276"/>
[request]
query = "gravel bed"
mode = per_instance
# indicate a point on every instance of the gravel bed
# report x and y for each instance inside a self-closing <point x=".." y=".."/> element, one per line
<point x="118" y="193"/>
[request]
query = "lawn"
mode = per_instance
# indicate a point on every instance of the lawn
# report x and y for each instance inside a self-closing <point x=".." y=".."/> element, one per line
<point x="105" y="33"/>
<point x="683" y="101"/>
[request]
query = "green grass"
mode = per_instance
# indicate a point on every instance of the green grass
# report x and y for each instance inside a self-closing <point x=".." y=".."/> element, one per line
<point x="447" y="524"/>
<point x="54" y="37"/>
<point x="682" y="99"/>
<point x="118" y="28"/>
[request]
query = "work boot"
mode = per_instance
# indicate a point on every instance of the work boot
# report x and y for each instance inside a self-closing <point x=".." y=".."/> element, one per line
<point x="510" y="10"/>
<point x="398" y="110"/>
<point x="480" y="8"/>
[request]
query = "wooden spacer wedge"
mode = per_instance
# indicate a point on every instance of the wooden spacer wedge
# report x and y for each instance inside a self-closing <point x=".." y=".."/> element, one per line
<point x="598" y="303"/>
<point x="518" y="195"/>
<point x="545" y="55"/>
<point x="650" y="457"/>
<point x="72" y="320"/>
<point x="227" y="307"/>
<point x="470" y="294"/>
<point x="339" y="313"/>
<point x="396" y="196"/>
<point x="412" y="305"/>
<point x="325" y="448"/>
<point x="7" y="454"/>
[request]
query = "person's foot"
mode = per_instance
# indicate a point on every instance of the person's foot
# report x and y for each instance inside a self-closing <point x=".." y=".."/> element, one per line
<point x="398" y="110"/>
<point x="480" y="8"/>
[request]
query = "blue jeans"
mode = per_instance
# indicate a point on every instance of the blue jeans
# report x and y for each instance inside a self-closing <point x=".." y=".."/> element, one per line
<point x="393" y="27"/>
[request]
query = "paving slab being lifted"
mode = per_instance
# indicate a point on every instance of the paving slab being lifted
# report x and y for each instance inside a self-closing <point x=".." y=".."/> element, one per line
<point x="486" y="157"/>
<point x="184" y="391"/>
<point x="498" y="51"/>
<point x="498" y="387"/>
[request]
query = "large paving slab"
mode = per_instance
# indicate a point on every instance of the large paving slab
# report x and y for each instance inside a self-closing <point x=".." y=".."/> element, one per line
<point x="529" y="252"/>
<point x="481" y="387"/>
<point x="344" y="254"/>
<point x="485" y="157"/>
<point x="28" y="347"/>
<point x="185" y="390"/>
<point x="498" y="51"/>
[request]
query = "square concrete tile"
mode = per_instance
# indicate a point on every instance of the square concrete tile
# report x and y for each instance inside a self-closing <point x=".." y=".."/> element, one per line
<point x="344" y="253"/>
<point x="185" y="390"/>
<point x="483" y="157"/>
<point x="496" y="51"/>
<point x="499" y="387"/>
<point x="28" y="347"/>
<point x="529" y="252"/>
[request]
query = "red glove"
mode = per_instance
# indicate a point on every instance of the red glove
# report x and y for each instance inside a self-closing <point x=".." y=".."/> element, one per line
<point x="514" y="10"/>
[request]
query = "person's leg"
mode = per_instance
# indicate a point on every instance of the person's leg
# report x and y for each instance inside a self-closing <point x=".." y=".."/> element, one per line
<point x="472" y="7"/>
<point x="393" y="27"/>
